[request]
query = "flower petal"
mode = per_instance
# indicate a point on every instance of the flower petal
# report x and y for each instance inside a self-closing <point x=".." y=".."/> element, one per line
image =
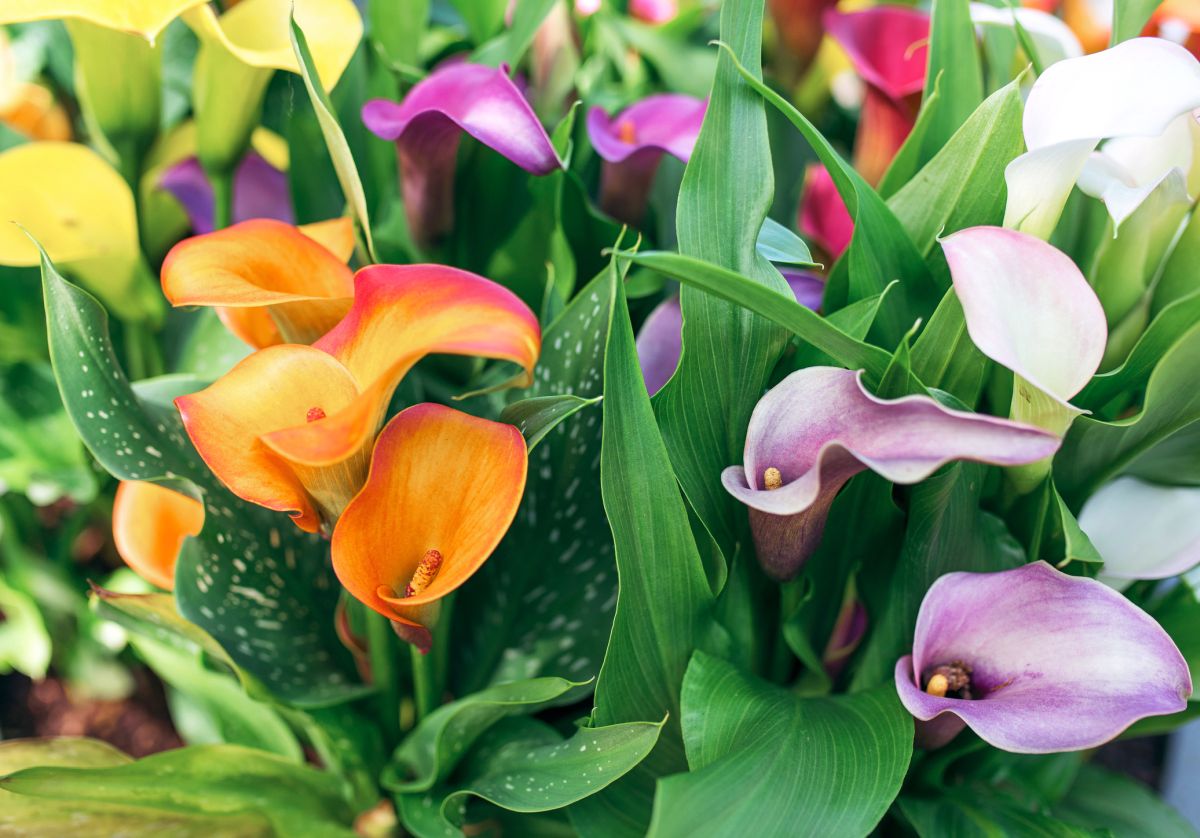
<point x="1053" y="39"/>
<point x="667" y="122"/>
<point x="150" y="523"/>
<point x="259" y="191"/>
<point x="889" y="46"/>
<point x="273" y="389"/>
<point x="654" y="11"/>
<point x="440" y="480"/>
<point x="1143" y="530"/>
<point x="819" y="427"/>
<point x="144" y="17"/>
<point x="823" y="214"/>
<point x="1028" y="307"/>
<point x="1059" y="663"/>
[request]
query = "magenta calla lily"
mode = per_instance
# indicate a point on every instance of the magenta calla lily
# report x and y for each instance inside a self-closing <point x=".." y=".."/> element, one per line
<point x="427" y="125"/>
<point x="259" y="191"/>
<point x="660" y="340"/>
<point x="632" y="145"/>
<point x="819" y="427"/>
<point x="889" y="47"/>
<point x="1036" y="661"/>
<point x="823" y="216"/>
<point x="654" y="11"/>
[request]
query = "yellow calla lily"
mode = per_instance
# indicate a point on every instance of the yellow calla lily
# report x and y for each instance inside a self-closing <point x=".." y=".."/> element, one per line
<point x="82" y="212"/>
<point x="140" y="17"/>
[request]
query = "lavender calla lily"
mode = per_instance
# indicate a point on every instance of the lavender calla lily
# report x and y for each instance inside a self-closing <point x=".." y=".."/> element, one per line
<point x="633" y="142"/>
<point x="426" y="127"/>
<point x="1143" y="530"/>
<point x="1036" y="661"/>
<point x="819" y="427"/>
<point x="259" y="191"/>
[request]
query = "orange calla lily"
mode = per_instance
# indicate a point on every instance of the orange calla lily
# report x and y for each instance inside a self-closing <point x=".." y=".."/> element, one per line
<point x="443" y="489"/>
<point x="150" y="523"/>
<point x="290" y="427"/>
<point x="271" y="282"/>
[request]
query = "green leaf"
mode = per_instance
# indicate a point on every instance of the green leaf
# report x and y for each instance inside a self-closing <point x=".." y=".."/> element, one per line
<point x="154" y="616"/>
<point x="396" y="27"/>
<point x="726" y="192"/>
<point x="766" y="762"/>
<point x="430" y="752"/>
<point x="683" y="66"/>
<point x="24" y="641"/>
<point x="538" y="416"/>
<point x="911" y="155"/>
<point x="335" y="139"/>
<point x="779" y="245"/>
<point x="59" y="751"/>
<point x="1120" y="806"/>
<point x="664" y="599"/>
<point x="976" y="814"/>
<point x="204" y="780"/>
<point x="484" y="18"/>
<point x="252" y="580"/>
<point x="510" y="46"/>
<point x="954" y="71"/>
<point x="944" y="356"/>
<point x="1130" y="18"/>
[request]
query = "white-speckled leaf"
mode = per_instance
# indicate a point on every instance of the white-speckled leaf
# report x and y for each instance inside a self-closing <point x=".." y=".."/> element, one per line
<point x="261" y="587"/>
<point x="543" y="604"/>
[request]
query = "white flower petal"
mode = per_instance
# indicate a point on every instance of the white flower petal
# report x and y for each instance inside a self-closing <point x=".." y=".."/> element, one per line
<point x="1143" y="530"/>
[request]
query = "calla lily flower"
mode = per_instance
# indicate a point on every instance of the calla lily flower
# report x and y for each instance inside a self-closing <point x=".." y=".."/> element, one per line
<point x="1134" y="102"/>
<point x="848" y="632"/>
<point x="271" y="282"/>
<point x="819" y="427"/>
<point x="1028" y="308"/>
<point x="1051" y="37"/>
<point x="632" y="145"/>
<point x="823" y="216"/>
<point x="660" y="340"/>
<point x="259" y="191"/>
<point x="290" y="427"/>
<point x="654" y="11"/>
<point x="1036" y="662"/>
<point x="150" y="523"/>
<point x="146" y="18"/>
<point x="443" y="489"/>
<point x="889" y="48"/>
<point x="1143" y="530"/>
<point x="426" y="127"/>
<point x="27" y="107"/>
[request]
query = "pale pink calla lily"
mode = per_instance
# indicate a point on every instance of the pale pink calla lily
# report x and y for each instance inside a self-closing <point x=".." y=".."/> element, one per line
<point x="456" y="98"/>
<point x="259" y="191"/>
<point x="819" y="427"/>
<point x="654" y="11"/>
<point x="1134" y="103"/>
<point x="823" y="216"/>
<point x="889" y="47"/>
<point x="1143" y="530"/>
<point x="633" y="142"/>
<point x="1035" y="662"/>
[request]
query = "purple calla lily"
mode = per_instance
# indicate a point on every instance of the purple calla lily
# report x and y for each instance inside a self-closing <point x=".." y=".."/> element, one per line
<point x="426" y="127"/>
<point x="819" y="427"/>
<point x="660" y="340"/>
<point x="259" y="191"/>
<point x="633" y="143"/>
<point x="1036" y="661"/>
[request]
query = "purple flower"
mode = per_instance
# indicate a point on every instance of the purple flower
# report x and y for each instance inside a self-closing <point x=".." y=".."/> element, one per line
<point x="633" y="143"/>
<point x="426" y="126"/>
<point x="660" y="341"/>
<point x="259" y="191"/>
<point x="819" y="427"/>
<point x="1036" y="661"/>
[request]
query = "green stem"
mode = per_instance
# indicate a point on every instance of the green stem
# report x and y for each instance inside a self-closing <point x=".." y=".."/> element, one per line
<point x="424" y="683"/>
<point x="222" y="187"/>
<point x="135" y="358"/>
<point x="381" y="648"/>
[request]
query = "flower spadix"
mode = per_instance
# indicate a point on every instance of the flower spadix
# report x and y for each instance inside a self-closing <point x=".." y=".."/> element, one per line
<point x="633" y="142"/>
<point x="271" y="282"/>
<point x="291" y="426"/>
<point x="443" y="489"/>
<point x="819" y="427"/>
<point x="1036" y="661"/>
<point x="428" y="124"/>
<point x="1118" y="122"/>
<point x="1143" y="530"/>
<point x="150" y="523"/>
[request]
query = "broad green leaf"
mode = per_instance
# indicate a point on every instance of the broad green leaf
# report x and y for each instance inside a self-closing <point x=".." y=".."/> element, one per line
<point x="880" y="250"/>
<point x="911" y="155"/>
<point x="262" y="588"/>
<point x="954" y="71"/>
<point x="766" y="762"/>
<point x="778" y="307"/>
<point x="430" y="752"/>
<point x="684" y="67"/>
<point x="543" y="603"/>
<point x="335" y="139"/>
<point x="204" y="780"/>
<point x="779" y="245"/>
<point x="510" y="46"/>
<point x="944" y="356"/>
<point x="156" y="617"/>
<point x="1130" y="18"/>
<point x="1120" y="806"/>
<point x="664" y="599"/>
<point x="483" y="18"/>
<point x="538" y="416"/>
<point x="59" y="751"/>
<point x="1178" y="278"/>
<point x="726" y="192"/>
<point x="24" y="641"/>
<point x="396" y="27"/>
<point x="975" y="813"/>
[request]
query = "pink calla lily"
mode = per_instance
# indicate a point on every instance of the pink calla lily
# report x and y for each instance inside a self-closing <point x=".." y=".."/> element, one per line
<point x="823" y="216"/>
<point x="1036" y="661"/>
<point x="819" y="427"/>
<point x="426" y="127"/>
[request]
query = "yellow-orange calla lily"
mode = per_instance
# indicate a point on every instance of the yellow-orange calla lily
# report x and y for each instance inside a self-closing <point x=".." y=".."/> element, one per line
<point x="443" y="489"/>
<point x="28" y="107"/>
<point x="140" y="17"/>
<point x="150" y="523"/>
<point x="272" y="282"/>
<point x="291" y="427"/>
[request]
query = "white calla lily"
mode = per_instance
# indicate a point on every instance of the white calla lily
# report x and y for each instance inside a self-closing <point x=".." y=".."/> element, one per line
<point x="1053" y="39"/>
<point x="1143" y="530"/>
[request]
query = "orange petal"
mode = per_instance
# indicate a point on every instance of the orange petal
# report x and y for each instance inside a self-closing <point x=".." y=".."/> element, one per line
<point x="252" y="325"/>
<point x="263" y="263"/>
<point x="440" y="480"/>
<point x="150" y="523"/>
<point x="1092" y="29"/>
<point x="275" y="388"/>
<point x="336" y="235"/>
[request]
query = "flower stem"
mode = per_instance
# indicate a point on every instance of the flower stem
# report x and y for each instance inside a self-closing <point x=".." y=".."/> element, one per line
<point x="222" y="189"/>
<point x="424" y="683"/>
<point x="381" y="649"/>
